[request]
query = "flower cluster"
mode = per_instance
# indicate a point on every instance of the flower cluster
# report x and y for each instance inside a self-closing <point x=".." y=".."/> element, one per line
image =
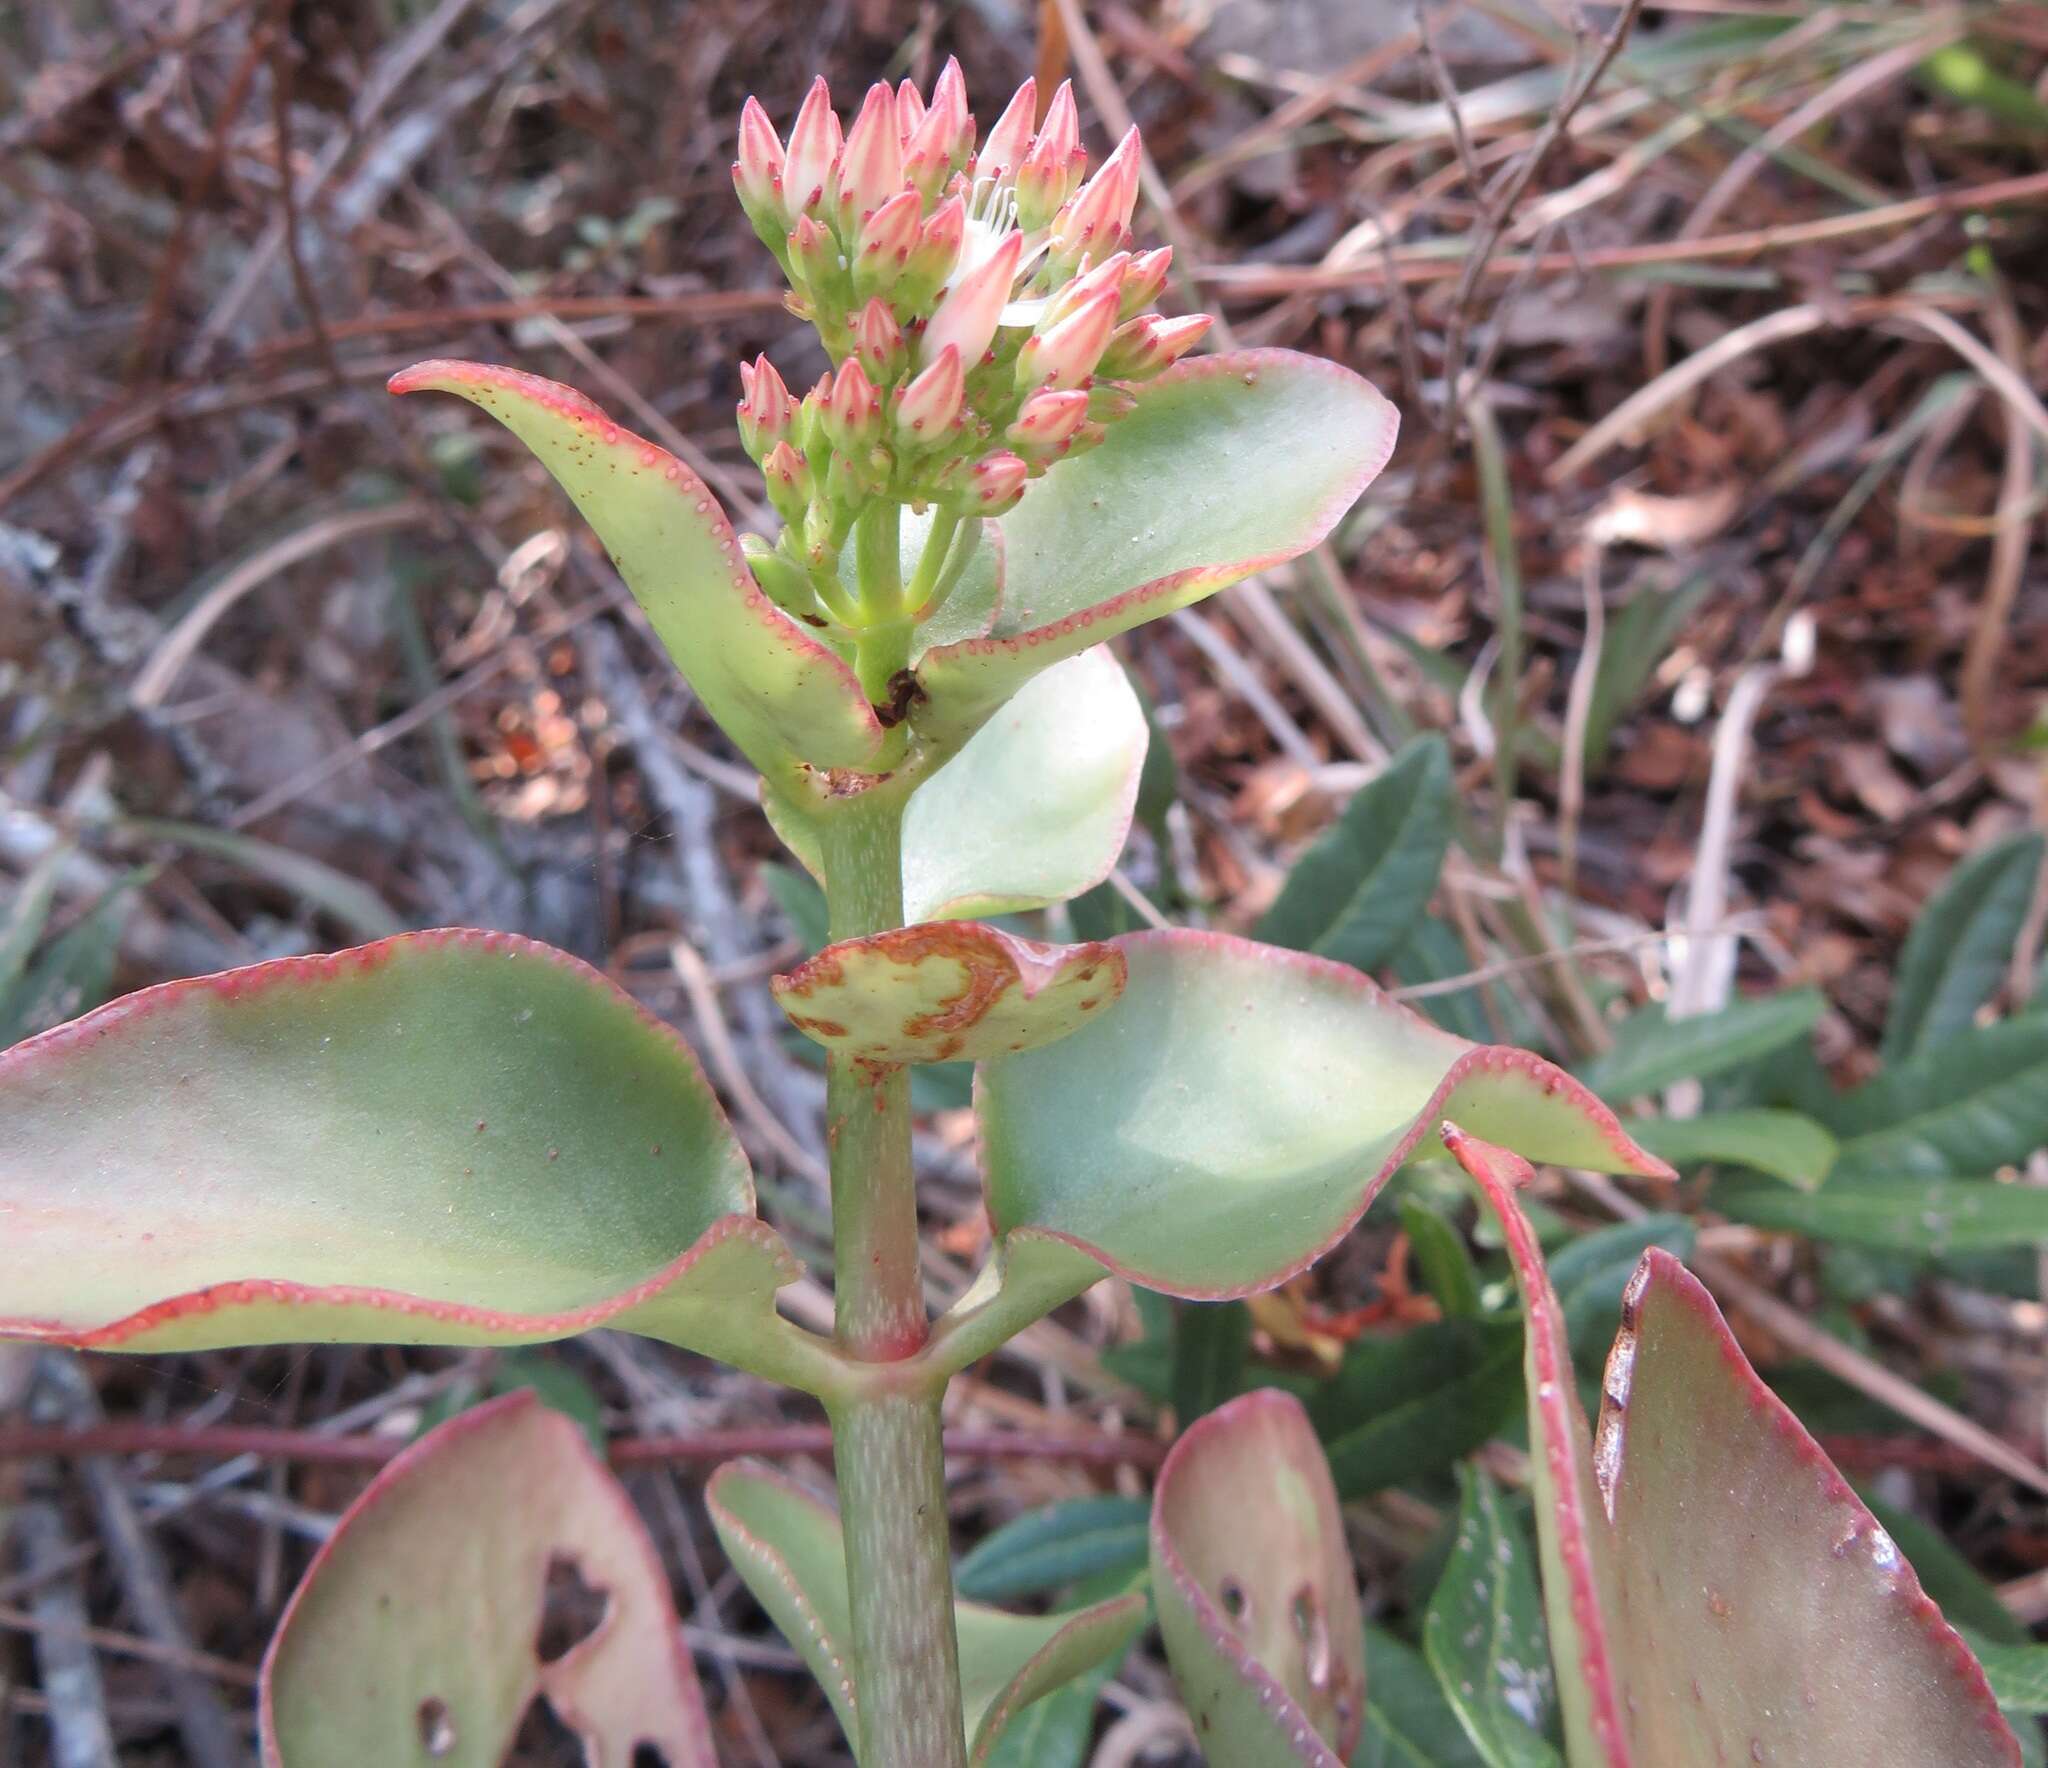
<point x="980" y="309"/>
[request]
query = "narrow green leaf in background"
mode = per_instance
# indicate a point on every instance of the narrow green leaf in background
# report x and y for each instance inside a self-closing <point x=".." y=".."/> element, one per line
<point x="1930" y="1216"/>
<point x="1440" y="1255"/>
<point x="1210" y="1342"/>
<point x="1059" y="1545"/>
<point x="1401" y="1408"/>
<point x="1969" y="1103"/>
<point x="1786" y="1144"/>
<point x="1957" y="952"/>
<point x="1484" y="1634"/>
<point x="1357" y="894"/>
<point x="1652" y="1051"/>
<point x="74" y="971"/>
<point x="1408" y="1723"/>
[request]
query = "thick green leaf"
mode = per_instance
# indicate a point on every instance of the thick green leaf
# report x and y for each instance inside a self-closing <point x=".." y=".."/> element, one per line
<point x="947" y="990"/>
<point x="1230" y="1117"/>
<point x="1714" y="1589"/>
<point x="1357" y="894"/>
<point x="1970" y="1602"/>
<point x="423" y="1631"/>
<point x="446" y="1138"/>
<point x="1057" y="1729"/>
<point x="1033" y="810"/>
<point x="1652" y="1051"/>
<point x="1403" y="1407"/>
<point x="1229" y="464"/>
<point x="1408" y="1723"/>
<point x="1786" y="1144"/>
<point x="1958" y="949"/>
<point x="1051" y="1548"/>
<point x="1933" y="1217"/>
<point x="1252" y="1575"/>
<point x="786" y="1544"/>
<point x="1036" y="807"/>
<point x="1969" y="1103"/>
<point x="784" y="698"/>
<point x="1484" y="1633"/>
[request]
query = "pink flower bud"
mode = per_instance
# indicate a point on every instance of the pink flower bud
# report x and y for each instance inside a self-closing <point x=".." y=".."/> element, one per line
<point x="1053" y="166"/>
<point x="967" y="314"/>
<point x="1097" y="218"/>
<point x="1003" y="152"/>
<point x="1066" y="354"/>
<point x="1047" y="420"/>
<point x="757" y="173"/>
<point x="937" y="252"/>
<point x="939" y="145"/>
<point x="909" y="109"/>
<point x="1145" y="281"/>
<point x="813" y="151"/>
<point x="767" y="411"/>
<point x="887" y="238"/>
<point x="853" y="411"/>
<point x="788" y="478"/>
<point x="1147" y="344"/>
<point x="871" y="168"/>
<point x="996" y="484"/>
<point x="928" y="410"/>
<point x="1109" y="274"/>
<point x="878" y="340"/>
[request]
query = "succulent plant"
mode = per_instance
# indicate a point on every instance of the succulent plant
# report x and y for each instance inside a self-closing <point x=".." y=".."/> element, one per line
<point x="457" y="1137"/>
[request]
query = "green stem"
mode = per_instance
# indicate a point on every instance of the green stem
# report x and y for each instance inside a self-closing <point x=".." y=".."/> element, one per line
<point x="945" y="524"/>
<point x="892" y="1487"/>
<point x="884" y="647"/>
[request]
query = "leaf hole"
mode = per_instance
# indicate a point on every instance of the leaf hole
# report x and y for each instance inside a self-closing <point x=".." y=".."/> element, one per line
<point x="1236" y="1604"/>
<point x="1314" y="1633"/>
<point x="647" y="1755"/>
<point x="571" y="1609"/>
<point x="437" y="1729"/>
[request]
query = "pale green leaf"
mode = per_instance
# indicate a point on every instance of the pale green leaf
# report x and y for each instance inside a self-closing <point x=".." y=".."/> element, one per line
<point x="1651" y="1051"/>
<point x="1786" y="1144"/>
<point x="1229" y="464"/>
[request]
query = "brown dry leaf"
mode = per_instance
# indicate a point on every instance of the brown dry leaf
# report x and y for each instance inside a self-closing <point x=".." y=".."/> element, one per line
<point x="1881" y="787"/>
<point x="1663" y="524"/>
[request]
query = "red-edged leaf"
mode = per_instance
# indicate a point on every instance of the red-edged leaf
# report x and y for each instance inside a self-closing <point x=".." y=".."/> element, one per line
<point x="1229" y="464"/>
<point x="783" y="697"/>
<point x="945" y="991"/>
<point x="1226" y="1122"/>
<point x="1716" y="1592"/>
<point x="419" y="1631"/>
<point x="1252" y="1574"/>
<point x="444" y="1138"/>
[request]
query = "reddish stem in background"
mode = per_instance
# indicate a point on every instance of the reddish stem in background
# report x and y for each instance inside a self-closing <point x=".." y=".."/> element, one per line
<point x="223" y="1441"/>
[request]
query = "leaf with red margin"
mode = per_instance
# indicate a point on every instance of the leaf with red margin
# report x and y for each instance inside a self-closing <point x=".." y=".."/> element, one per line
<point x="787" y="1547"/>
<point x="1032" y="811"/>
<point x="1229" y="464"/>
<point x="444" y="1138"/>
<point x="1228" y="1120"/>
<point x="946" y="991"/>
<point x="419" y="1623"/>
<point x="783" y="697"/>
<point x="1716" y="1591"/>
<point x="1252" y="1574"/>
